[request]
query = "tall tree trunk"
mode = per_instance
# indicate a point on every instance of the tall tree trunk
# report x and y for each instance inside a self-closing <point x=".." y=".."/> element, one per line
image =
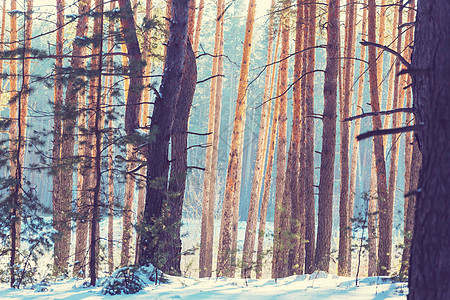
<point x="357" y="129"/>
<point x="345" y="232"/>
<point x="94" y="238"/>
<point x="75" y="97"/>
<point x="396" y="121"/>
<point x="250" y="230"/>
<point x="428" y="276"/>
<point x="322" y="255"/>
<point x="109" y="94"/>
<point x="384" y="249"/>
<point x="155" y="211"/>
<point x="292" y="191"/>
<point x="13" y="141"/>
<point x="61" y="207"/>
<point x="18" y="115"/>
<point x="132" y="116"/>
<point x="411" y="161"/>
<point x="225" y="248"/>
<point x="147" y="57"/>
<point x="282" y="206"/>
<point x="209" y="193"/>
<point x="268" y="174"/>
<point x="310" y="202"/>
<point x="2" y="40"/>
<point x="179" y="168"/>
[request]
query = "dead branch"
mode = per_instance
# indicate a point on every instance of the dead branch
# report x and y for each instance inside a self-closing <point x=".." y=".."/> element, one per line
<point x="377" y="113"/>
<point x="388" y="131"/>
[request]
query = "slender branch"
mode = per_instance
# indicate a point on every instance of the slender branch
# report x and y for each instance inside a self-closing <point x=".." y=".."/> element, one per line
<point x="377" y="113"/>
<point x="196" y="133"/>
<point x="211" y="77"/>
<point x="388" y="131"/>
<point x="387" y="49"/>
<point x="198" y="168"/>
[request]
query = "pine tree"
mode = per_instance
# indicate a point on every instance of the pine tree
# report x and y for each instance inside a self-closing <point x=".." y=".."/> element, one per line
<point x="323" y="245"/>
<point x="225" y="252"/>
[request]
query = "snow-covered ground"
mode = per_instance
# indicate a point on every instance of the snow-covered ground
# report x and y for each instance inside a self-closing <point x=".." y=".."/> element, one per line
<point x="316" y="286"/>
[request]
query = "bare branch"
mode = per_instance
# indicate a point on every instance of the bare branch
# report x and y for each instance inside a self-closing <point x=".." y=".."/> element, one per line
<point x="388" y="131"/>
<point x="377" y="113"/>
<point x="387" y="49"/>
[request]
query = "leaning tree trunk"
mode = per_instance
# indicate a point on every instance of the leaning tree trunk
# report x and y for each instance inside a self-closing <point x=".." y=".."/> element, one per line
<point x="323" y="245"/>
<point x="268" y="174"/>
<point x="430" y="263"/>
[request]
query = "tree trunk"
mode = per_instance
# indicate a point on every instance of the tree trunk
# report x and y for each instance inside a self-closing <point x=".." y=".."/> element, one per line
<point x="13" y="141"/>
<point x="225" y="251"/>
<point x="209" y="193"/>
<point x="179" y="168"/>
<point x="198" y="26"/>
<point x="292" y="190"/>
<point x="75" y="96"/>
<point x="151" y="251"/>
<point x="268" y="174"/>
<point x="396" y="121"/>
<point x="127" y="233"/>
<point x="2" y="40"/>
<point x="416" y="165"/>
<point x="322" y="255"/>
<point x="18" y="127"/>
<point x="61" y="205"/>
<point x="384" y="249"/>
<point x="428" y="276"/>
<point x="310" y="202"/>
<point x="357" y="129"/>
<point x="250" y="230"/>
<point x="282" y="206"/>
<point x="345" y="230"/>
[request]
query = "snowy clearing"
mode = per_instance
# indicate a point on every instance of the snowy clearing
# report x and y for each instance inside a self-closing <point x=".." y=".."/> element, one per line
<point x="316" y="286"/>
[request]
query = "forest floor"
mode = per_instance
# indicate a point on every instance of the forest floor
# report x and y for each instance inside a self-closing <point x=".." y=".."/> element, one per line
<point x="305" y="287"/>
<point x="315" y="286"/>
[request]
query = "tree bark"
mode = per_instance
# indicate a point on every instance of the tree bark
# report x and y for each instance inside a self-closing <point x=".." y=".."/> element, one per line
<point x="384" y="249"/>
<point x="268" y="174"/>
<point x="75" y="98"/>
<point x="282" y="206"/>
<point x="158" y="145"/>
<point x="430" y="265"/>
<point x="357" y="131"/>
<point x="179" y="168"/>
<point x="345" y="230"/>
<point x="322" y="255"/>
<point x="224" y="259"/>
<point x="250" y="230"/>
<point x="209" y="192"/>
<point x="310" y="201"/>
<point x="198" y="26"/>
